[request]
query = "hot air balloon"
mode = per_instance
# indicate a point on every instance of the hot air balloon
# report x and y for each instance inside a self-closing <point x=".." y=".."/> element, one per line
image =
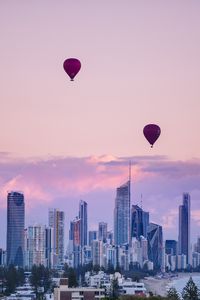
<point x="151" y="133"/>
<point x="72" y="67"/>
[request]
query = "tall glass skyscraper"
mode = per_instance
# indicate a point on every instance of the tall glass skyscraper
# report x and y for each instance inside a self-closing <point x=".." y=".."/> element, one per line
<point x="84" y="222"/>
<point x="155" y="245"/>
<point x="15" y="229"/>
<point x="184" y="228"/>
<point x="122" y="215"/>
<point x="139" y="222"/>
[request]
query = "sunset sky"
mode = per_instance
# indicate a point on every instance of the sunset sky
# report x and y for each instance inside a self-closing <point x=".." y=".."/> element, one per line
<point x="62" y="141"/>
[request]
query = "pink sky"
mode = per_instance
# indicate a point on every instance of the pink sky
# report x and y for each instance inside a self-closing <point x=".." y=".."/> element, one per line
<point x="140" y="64"/>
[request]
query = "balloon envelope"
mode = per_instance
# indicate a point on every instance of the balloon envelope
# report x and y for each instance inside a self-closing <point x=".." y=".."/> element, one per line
<point x="151" y="133"/>
<point x="72" y="67"/>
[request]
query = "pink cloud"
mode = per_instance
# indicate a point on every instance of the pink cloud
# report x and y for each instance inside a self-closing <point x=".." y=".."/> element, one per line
<point x="196" y="216"/>
<point x="62" y="181"/>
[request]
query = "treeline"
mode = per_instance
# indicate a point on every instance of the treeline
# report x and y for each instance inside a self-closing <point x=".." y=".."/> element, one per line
<point x="10" y="278"/>
<point x="41" y="280"/>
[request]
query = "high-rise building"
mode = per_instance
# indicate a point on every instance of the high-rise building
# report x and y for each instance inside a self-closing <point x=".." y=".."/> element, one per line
<point x="36" y="246"/>
<point x="83" y="222"/>
<point x="92" y="236"/>
<point x="102" y="232"/>
<point x="122" y="215"/>
<point x="171" y="247"/>
<point x="56" y="221"/>
<point x="75" y="237"/>
<point x="49" y="246"/>
<point x="184" y="228"/>
<point x="15" y="228"/>
<point x="139" y="222"/>
<point x="155" y="245"/>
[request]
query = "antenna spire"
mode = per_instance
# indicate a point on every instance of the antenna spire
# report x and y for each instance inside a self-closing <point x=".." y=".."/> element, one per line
<point x="129" y="170"/>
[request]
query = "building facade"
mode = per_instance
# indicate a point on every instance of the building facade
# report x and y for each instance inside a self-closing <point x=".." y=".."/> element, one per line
<point x="15" y="228"/>
<point x="35" y="252"/>
<point x="122" y="215"/>
<point x="139" y="222"/>
<point x="155" y="245"/>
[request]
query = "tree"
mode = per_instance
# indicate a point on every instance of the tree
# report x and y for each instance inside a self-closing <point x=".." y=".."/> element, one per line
<point x="40" y="277"/>
<point x="72" y="281"/>
<point x="190" y="291"/>
<point x="114" y="288"/>
<point x="11" y="279"/>
<point x="172" y="294"/>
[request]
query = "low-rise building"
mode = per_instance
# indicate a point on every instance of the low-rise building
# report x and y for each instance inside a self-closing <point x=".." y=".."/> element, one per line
<point x="63" y="292"/>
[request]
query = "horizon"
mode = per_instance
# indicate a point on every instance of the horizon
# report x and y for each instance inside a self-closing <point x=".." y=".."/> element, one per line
<point x="64" y="181"/>
<point x="63" y="141"/>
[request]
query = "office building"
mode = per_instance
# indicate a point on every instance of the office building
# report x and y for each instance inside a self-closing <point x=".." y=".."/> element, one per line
<point x="15" y="228"/>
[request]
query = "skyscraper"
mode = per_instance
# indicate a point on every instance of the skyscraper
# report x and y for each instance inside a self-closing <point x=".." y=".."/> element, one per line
<point x="184" y="228"/>
<point x="15" y="229"/>
<point x="83" y="223"/>
<point x="155" y="245"/>
<point x="139" y="222"/>
<point x="49" y="246"/>
<point x="75" y="236"/>
<point x="56" y="221"/>
<point x="36" y="246"/>
<point x="102" y="232"/>
<point x="171" y="247"/>
<point x="122" y="215"/>
<point x="92" y="236"/>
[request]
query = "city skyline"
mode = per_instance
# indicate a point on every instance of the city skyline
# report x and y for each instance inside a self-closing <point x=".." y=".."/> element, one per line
<point x="95" y="180"/>
<point x="64" y="141"/>
<point x="44" y="244"/>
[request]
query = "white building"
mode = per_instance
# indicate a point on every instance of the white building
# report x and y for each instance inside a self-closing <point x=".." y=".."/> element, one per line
<point x="63" y="292"/>
<point x="35" y="246"/>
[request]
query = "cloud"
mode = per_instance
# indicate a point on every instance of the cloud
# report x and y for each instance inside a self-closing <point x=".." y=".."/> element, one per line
<point x="196" y="216"/>
<point x="62" y="181"/>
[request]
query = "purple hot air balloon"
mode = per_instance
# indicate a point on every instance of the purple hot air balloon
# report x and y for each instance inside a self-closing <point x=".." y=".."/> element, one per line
<point x="72" y="67"/>
<point x="151" y="133"/>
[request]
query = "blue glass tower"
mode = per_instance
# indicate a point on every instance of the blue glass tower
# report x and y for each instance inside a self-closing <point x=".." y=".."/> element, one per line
<point x="15" y="229"/>
<point x="155" y="244"/>
<point x="122" y="215"/>
<point x="139" y="222"/>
